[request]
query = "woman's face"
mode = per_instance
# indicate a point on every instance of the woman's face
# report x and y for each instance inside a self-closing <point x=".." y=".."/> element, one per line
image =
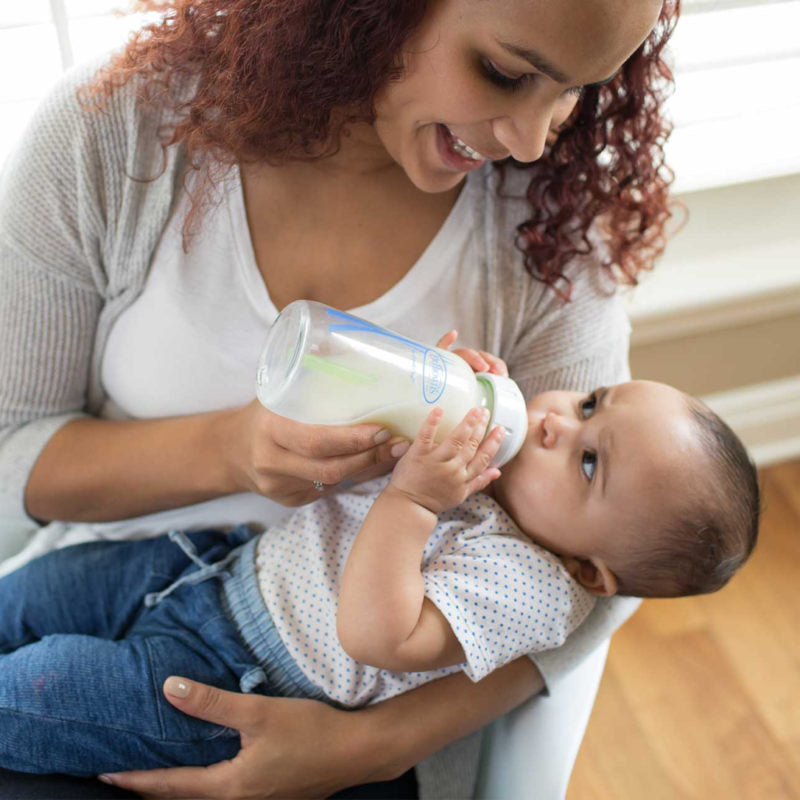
<point x="488" y="79"/>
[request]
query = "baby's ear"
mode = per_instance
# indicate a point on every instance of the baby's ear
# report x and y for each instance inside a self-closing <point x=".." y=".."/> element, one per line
<point x="593" y="574"/>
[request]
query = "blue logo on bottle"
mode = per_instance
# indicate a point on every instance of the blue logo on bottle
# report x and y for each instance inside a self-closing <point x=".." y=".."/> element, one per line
<point x="434" y="366"/>
<point x="434" y="376"/>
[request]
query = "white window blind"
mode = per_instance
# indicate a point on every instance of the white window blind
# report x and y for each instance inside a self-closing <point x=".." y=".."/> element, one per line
<point x="737" y="104"/>
<point x="736" y="108"/>
<point x="39" y="39"/>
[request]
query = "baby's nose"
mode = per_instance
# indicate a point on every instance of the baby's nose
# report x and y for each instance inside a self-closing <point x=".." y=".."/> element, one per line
<point x="554" y="428"/>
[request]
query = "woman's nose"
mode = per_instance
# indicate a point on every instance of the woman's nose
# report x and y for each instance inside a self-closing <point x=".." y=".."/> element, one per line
<point x="524" y="132"/>
<point x="555" y="428"/>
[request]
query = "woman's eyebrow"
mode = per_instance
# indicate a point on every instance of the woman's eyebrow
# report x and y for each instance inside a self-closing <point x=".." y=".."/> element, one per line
<point x="535" y="60"/>
<point x="602" y="82"/>
<point x="543" y="65"/>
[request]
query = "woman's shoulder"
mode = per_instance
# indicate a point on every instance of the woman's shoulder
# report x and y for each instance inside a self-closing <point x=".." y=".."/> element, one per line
<point x="116" y="120"/>
<point x="533" y="325"/>
<point x="83" y="126"/>
<point x="79" y="174"/>
<point x="504" y="205"/>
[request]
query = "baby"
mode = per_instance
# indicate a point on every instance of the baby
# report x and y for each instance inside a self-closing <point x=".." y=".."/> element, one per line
<point x="454" y="565"/>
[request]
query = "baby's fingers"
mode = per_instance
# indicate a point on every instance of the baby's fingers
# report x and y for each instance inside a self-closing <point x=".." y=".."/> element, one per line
<point x="496" y="364"/>
<point x="481" y="481"/>
<point x="466" y="437"/>
<point x="474" y="359"/>
<point x="486" y="452"/>
<point x="425" y="439"/>
<point x="448" y="340"/>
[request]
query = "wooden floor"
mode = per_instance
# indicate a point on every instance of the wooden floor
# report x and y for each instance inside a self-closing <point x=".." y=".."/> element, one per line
<point x="700" y="699"/>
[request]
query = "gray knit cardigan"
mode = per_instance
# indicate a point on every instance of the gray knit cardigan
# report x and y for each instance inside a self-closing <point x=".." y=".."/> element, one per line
<point x="77" y="236"/>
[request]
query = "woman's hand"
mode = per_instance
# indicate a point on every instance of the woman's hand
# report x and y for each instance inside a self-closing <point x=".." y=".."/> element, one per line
<point x="290" y="748"/>
<point x="303" y="748"/>
<point x="280" y="458"/>
<point x="479" y="360"/>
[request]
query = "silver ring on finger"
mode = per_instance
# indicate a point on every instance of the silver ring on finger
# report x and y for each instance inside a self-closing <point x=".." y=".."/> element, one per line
<point x="318" y="485"/>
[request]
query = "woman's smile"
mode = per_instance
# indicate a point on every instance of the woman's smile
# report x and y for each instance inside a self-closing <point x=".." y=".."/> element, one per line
<point x="454" y="152"/>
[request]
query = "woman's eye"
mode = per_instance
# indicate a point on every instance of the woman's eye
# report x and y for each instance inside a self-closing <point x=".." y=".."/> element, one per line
<point x="504" y="81"/>
<point x="588" y="463"/>
<point x="588" y="405"/>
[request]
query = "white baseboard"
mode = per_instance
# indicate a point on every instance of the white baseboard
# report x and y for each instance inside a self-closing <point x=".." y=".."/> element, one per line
<point x="766" y="416"/>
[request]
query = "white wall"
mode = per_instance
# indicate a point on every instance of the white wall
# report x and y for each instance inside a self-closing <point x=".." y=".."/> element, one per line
<point x="720" y="315"/>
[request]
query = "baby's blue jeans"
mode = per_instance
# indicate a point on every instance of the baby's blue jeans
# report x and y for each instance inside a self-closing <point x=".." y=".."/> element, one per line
<point x="88" y="635"/>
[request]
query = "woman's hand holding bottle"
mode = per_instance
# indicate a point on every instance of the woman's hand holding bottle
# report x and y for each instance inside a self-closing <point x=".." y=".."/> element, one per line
<point x="282" y="459"/>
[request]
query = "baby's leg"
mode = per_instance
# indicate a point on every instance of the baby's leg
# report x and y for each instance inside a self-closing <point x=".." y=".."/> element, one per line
<point x="95" y="589"/>
<point x="83" y="705"/>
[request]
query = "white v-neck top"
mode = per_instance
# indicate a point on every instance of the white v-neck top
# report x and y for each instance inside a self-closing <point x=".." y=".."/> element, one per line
<point x="190" y="342"/>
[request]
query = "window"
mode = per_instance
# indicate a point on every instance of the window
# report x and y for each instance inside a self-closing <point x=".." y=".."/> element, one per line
<point x="39" y="39"/>
<point x="736" y="107"/>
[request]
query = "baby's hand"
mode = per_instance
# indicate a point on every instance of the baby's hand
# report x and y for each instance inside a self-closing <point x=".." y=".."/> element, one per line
<point x="441" y="476"/>
<point x="479" y="360"/>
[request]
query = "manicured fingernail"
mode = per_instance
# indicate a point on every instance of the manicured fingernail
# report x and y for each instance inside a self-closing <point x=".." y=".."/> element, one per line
<point x="382" y="436"/>
<point x="177" y="687"/>
<point x="105" y="779"/>
<point x="399" y="448"/>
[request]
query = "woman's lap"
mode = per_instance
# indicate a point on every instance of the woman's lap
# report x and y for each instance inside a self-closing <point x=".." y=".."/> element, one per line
<point x="84" y="704"/>
<point x="62" y="591"/>
<point x="22" y="786"/>
<point x="26" y="786"/>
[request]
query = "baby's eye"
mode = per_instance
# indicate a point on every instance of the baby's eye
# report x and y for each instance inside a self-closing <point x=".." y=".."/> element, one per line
<point x="588" y="463"/>
<point x="587" y="406"/>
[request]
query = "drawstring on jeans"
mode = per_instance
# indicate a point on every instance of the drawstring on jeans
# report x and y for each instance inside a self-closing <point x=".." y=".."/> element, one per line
<point x="206" y="571"/>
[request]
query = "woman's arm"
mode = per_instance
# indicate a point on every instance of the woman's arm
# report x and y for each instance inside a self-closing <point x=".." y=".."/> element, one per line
<point x="94" y="470"/>
<point x="71" y="245"/>
<point x="304" y="748"/>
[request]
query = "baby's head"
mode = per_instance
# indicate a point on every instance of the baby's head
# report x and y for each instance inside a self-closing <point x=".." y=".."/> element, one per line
<point x="641" y="489"/>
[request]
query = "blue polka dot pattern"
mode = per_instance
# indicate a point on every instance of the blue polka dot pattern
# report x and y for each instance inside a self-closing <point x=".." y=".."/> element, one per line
<point x="503" y="595"/>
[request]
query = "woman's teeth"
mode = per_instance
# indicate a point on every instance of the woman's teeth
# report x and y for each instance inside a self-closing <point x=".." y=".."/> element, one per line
<point x="463" y="149"/>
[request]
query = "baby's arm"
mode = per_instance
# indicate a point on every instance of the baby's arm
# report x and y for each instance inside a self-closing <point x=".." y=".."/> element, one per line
<point x="384" y="618"/>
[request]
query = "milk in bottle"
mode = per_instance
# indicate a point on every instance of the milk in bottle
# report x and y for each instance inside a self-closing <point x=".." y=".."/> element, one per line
<point x="323" y="366"/>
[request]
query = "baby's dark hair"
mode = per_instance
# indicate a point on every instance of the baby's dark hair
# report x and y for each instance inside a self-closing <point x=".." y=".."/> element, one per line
<point x="713" y="533"/>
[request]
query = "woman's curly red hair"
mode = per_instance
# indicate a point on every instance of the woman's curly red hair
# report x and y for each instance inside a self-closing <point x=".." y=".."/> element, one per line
<point x="268" y="75"/>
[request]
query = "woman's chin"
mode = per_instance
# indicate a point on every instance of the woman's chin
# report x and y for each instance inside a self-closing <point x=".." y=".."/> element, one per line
<point x="434" y="181"/>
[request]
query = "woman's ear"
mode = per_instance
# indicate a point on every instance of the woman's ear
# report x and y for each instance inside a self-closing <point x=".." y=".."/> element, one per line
<point x="593" y="574"/>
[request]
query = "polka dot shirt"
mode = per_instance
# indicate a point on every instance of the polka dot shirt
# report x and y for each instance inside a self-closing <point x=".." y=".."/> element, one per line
<point x="503" y="595"/>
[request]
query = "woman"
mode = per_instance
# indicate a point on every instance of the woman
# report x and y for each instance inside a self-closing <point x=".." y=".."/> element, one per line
<point x="380" y="157"/>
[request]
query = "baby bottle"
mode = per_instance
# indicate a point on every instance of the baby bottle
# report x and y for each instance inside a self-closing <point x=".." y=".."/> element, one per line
<point x="323" y="366"/>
